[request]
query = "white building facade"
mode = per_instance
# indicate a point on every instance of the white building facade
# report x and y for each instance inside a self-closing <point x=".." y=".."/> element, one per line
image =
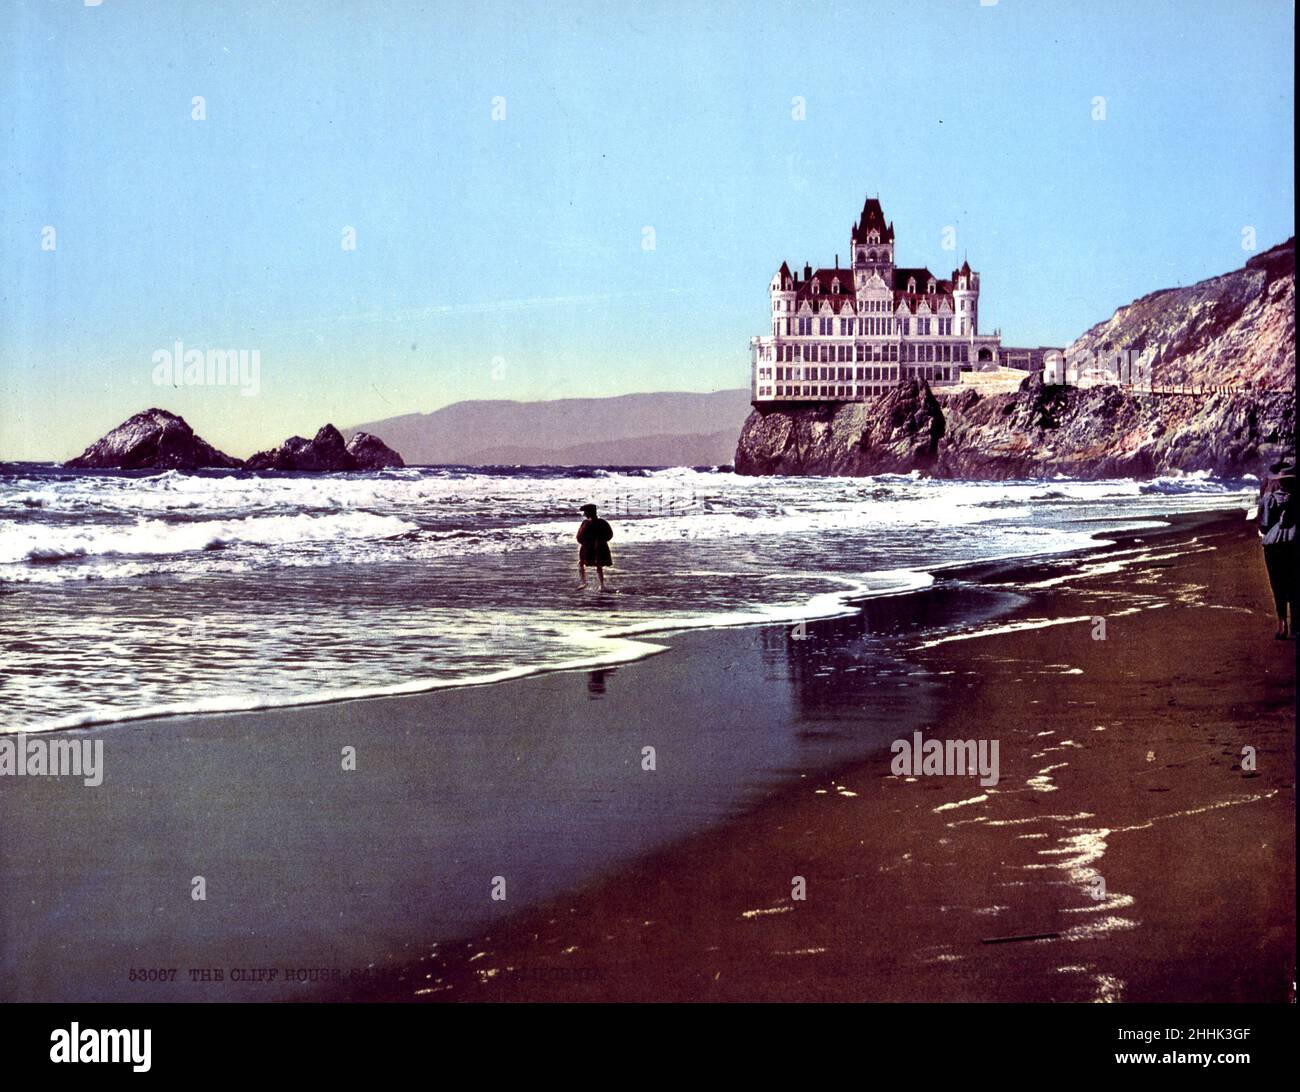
<point x="843" y="335"/>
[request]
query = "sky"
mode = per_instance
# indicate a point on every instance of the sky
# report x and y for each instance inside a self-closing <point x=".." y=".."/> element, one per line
<point x="404" y="205"/>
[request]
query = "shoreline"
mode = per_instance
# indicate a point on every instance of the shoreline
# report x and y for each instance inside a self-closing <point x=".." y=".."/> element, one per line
<point x="643" y="935"/>
<point x="835" y="605"/>
<point x="359" y="871"/>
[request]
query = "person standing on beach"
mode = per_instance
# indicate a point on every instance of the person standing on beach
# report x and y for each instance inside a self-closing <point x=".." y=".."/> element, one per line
<point x="1277" y="530"/>
<point x="593" y="546"/>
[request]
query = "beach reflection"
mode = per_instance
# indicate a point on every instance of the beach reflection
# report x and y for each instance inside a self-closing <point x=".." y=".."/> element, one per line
<point x="539" y="781"/>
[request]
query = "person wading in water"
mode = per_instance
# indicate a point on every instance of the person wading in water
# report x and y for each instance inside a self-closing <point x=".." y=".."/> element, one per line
<point x="593" y="546"/>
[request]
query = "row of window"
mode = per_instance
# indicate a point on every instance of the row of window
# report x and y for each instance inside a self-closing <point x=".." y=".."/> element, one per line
<point x="864" y="327"/>
<point x="846" y="392"/>
<point x="864" y="306"/>
<point x="909" y="352"/>
<point x="854" y="375"/>
<point x="815" y="289"/>
<point x="843" y="390"/>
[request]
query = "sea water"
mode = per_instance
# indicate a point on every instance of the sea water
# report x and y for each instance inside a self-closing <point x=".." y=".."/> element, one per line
<point x="129" y="594"/>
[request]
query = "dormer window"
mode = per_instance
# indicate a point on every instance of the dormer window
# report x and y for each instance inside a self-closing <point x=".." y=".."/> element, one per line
<point x="874" y="237"/>
<point x="930" y="287"/>
<point x="835" y="286"/>
<point x="814" y="287"/>
<point x="911" y="284"/>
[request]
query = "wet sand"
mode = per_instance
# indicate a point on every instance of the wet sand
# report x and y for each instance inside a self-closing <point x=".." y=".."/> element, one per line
<point x="1124" y="832"/>
<point x="1119" y="759"/>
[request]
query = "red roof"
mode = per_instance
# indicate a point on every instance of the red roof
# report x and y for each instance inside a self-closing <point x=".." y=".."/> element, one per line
<point x="825" y="280"/>
<point x="846" y="297"/>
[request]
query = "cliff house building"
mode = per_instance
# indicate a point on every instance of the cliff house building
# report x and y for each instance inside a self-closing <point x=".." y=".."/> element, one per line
<point x="849" y="334"/>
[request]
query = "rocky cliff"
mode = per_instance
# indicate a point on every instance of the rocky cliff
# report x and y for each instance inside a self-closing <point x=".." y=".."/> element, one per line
<point x="898" y="432"/>
<point x="1236" y="330"/>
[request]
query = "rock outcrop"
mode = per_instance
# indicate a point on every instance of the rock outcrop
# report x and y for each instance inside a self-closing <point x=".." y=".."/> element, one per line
<point x="326" y="451"/>
<point x="1235" y="332"/>
<point x="895" y="433"/>
<point x="371" y="453"/>
<point x="159" y="440"/>
<point x="152" y="440"/>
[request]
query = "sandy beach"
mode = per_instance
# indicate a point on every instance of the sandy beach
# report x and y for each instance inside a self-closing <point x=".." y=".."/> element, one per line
<point x="1121" y="760"/>
<point x="1123" y="831"/>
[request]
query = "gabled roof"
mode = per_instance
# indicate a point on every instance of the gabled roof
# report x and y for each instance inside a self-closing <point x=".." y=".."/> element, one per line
<point x="911" y="301"/>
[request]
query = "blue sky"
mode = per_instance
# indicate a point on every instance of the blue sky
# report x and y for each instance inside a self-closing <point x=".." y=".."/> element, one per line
<point x="505" y="258"/>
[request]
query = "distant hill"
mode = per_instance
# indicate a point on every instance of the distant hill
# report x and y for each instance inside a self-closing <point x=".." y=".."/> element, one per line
<point x="669" y="428"/>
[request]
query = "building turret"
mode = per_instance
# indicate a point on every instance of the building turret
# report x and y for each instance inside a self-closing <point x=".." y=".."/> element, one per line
<point x="873" y="245"/>
<point x="783" y="296"/>
<point x="966" y="299"/>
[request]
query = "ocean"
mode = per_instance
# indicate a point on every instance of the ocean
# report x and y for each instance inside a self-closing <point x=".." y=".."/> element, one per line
<point x="132" y="594"/>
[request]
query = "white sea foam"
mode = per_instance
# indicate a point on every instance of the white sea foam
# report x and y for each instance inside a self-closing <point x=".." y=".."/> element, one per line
<point x="390" y="582"/>
<point x="146" y="538"/>
<point x="616" y="652"/>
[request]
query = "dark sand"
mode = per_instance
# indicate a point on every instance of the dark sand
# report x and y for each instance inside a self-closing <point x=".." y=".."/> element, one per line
<point x="1120" y="759"/>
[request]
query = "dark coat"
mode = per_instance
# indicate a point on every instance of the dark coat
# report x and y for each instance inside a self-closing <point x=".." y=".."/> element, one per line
<point x="593" y="538"/>
<point x="1277" y="512"/>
